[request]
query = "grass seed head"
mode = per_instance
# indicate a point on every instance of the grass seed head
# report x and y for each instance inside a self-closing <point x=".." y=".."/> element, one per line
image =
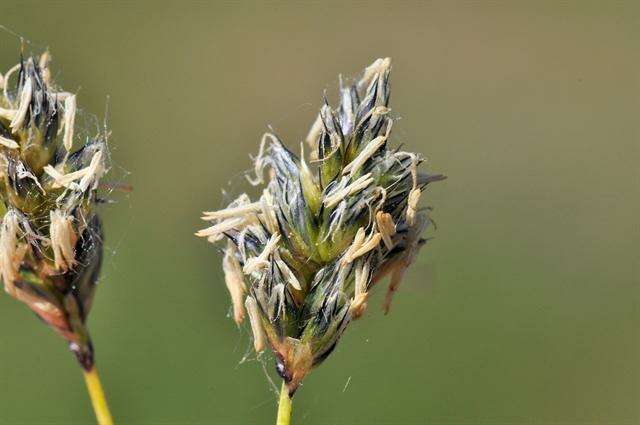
<point x="50" y="235"/>
<point x="325" y="229"/>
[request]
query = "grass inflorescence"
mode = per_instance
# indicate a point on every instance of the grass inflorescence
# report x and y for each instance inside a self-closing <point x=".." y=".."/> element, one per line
<point x="51" y="240"/>
<point x="302" y="258"/>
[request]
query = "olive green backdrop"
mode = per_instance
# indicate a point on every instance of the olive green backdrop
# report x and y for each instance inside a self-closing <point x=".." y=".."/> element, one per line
<point x="522" y="310"/>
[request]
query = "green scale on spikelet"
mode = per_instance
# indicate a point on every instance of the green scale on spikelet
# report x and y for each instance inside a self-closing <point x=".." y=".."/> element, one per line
<point x="302" y="259"/>
<point x="50" y="236"/>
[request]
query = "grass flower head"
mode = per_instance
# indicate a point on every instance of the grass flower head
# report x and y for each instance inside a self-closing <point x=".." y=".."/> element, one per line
<point x="302" y="258"/>
<point x="50" y="234"/>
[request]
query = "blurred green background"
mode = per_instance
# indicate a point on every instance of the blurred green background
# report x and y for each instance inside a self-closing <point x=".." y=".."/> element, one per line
<point x="524" y="309"/>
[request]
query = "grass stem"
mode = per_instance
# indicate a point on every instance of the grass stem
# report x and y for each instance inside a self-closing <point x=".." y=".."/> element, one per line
<point x="98" y="399"/>
<point x="284" y="406"/>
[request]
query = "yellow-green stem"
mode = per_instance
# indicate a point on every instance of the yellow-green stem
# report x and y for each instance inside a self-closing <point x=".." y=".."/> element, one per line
<point x="98" y="400"/>
<point x="284" y="406"/>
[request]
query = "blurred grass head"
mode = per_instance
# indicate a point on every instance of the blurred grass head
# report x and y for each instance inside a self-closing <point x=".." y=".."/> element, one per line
<point x="301" y="260"/>
<point x="51" y="236"/>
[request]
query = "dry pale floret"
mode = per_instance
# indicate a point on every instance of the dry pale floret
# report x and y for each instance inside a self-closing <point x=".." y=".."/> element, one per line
<point x="261" y="261"/>
<point x="8" y="241"/>
<point x="239" y="211"/>
<point x="361" y="245"/>
<point x="363" y="156"/>
<point x="362" y="278"/>
<point x="234" y="280"/>
<point x="412" y="205"/>
<point x="87" y="175"/>
<point x="9" y="143"/>
<point x="414" y="171"/>
<point x="95" y="170"/>
<point x="268" y="211"/>
<point x="336" y="196"/>
<point x="43" y="63"/>
<point x="65" y="180"/>
<point x="355" y="245"/>
<point x="375" y="70"/>
<point x="369" y="244"/>
<point x="63" y="240"/>
<point x="216" y="232"/>
<point x="69" y="121"/>
<point x="373" y="145"/>
<point x="359" y="302"/>
<point x="256" y="326"/>
<point x="387" y="227"/>
<point x="23" y="108"/>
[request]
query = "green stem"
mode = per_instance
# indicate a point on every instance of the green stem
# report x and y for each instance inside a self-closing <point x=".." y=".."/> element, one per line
<point x="96" y="393"/>
<point x="284" y="407"/>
